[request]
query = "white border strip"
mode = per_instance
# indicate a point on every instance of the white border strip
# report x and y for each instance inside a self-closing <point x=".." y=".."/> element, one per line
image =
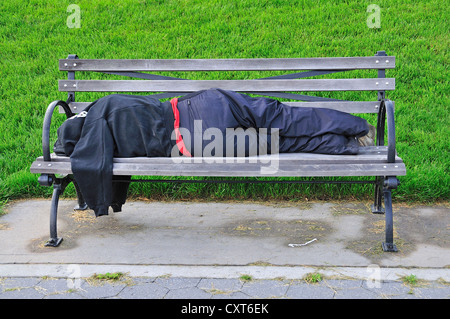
<point x="256" y="272"/>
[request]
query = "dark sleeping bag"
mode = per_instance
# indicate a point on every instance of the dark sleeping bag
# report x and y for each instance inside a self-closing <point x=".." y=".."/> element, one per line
<point x="129" y="126"/>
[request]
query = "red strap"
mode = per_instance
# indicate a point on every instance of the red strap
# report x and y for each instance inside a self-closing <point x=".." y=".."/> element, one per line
<point x="176" y="125"/>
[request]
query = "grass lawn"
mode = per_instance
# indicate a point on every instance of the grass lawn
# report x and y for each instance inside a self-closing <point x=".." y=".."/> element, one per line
<point x="35" y="34"/>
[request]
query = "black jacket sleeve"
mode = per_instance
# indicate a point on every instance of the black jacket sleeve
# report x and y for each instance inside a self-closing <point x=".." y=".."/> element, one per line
<point x="92" y="165"/>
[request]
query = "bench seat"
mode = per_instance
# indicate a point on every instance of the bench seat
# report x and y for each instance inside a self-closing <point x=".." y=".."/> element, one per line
<point x="371" y="161"/>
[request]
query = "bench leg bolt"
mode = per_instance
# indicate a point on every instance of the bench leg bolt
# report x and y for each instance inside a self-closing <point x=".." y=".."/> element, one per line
<point x="389" y="247"/>
<point x="377" y="209"/>
<point x="54" y="242"/>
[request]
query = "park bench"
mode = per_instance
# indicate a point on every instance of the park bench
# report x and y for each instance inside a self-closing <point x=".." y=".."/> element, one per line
<point x="379" y="164"/>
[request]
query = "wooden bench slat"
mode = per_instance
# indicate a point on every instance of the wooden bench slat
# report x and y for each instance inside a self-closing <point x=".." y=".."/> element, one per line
<point x="344" y="106"/>
<point x="240" y="169"/>
<point x="373" y="84"/>
<point x="160" y="65"/>
<point x="237" y="169"/>
<point x="370" y="162"/>
<point x="367" y="154"/>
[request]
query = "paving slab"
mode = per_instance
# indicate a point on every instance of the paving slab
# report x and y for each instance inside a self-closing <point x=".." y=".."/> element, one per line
<point x="226" y="234"/>
<point x="206" y="250"/>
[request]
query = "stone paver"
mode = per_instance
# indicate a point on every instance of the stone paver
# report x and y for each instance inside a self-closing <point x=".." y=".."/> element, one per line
<point x="266" y="289"/>
<point x="144" y="290"/>
<point x="303" y="290"/>
<point x="200" y="250"/>
<point x="101" y="290"/>
<point x="187" y="293"/>
<point x="216" y="288"/>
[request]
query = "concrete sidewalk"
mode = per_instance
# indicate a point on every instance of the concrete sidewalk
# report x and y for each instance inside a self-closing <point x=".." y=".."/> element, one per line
<point x="204" y="250"/>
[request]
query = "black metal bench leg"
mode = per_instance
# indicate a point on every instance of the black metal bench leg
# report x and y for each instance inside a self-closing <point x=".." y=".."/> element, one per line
<point x="81" y="203"/>
<point x="377" y="207"/>
<point x="54" y="241"/>
<point x="389" y="245"/>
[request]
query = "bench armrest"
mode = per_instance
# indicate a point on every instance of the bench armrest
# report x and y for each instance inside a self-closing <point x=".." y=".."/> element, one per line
<point x="387" y="113"/>
<point x="47" y="124"/>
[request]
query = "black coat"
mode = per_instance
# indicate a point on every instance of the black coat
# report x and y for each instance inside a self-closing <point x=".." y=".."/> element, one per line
<point x="113" y="126"/>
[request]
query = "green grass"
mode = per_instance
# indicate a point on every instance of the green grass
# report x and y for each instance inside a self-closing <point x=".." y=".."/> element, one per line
<point x="313" y="278"/>
<point x="246" y="278"/>
<point x="410" y="280"/>
<point x="34" y="35"/>
<point x="109" y="276"/>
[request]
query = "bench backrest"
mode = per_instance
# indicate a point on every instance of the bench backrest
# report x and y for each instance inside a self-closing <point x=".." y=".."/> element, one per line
<point x="278" y="86"/>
